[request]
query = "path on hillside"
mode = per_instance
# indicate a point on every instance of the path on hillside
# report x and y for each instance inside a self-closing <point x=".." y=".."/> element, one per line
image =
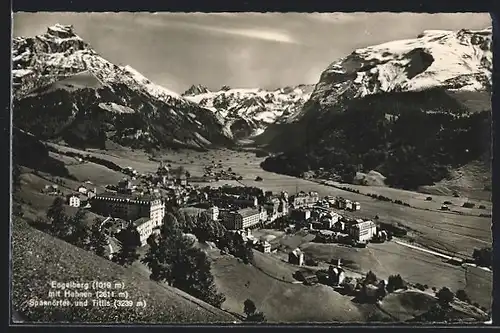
<point x="422" y="249"/>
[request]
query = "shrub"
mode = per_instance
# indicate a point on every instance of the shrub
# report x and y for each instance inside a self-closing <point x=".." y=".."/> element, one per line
<point x="395" y="282"/>
<point x="462" y="295"/>
<point x="445" y="296"/>
<point x="468" y="205"/>
<point x="419" y="286"/>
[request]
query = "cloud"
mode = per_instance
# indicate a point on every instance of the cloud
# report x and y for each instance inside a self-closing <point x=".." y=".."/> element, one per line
<point x="267" y="35"/>
<point x="171" y="20"/>
<point x="337" y="17"/>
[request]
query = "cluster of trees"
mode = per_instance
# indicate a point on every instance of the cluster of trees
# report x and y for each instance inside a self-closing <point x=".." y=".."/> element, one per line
<point x="483" y="257"/>
<point x="439" y="312"/>
<point x="73" y="229"/>
<point x="233" y="243"/>
<point x="172" y="258"/>
<point x="130" y="241"/>
<point x="201" y="226"/>
<point x="371" y="289"/>
<point x="238" y="190"/>
<point x="412" y="147"/>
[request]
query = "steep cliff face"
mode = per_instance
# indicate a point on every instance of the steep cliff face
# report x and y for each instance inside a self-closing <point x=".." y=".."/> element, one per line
<point x="64" y="89"/>
<point x="383" y="106"/>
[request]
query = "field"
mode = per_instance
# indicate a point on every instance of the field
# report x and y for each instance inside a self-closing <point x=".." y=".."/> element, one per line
<point x="479" y="285"/>
<point x="403" y="306"/>
<point x="34" y="267"/>
<point x="388" y="259"/>
<point x="418" y="200"/>
<point x="37" y="203"/>
<point x="469" y="180"/>
<point x="280" y="301"/>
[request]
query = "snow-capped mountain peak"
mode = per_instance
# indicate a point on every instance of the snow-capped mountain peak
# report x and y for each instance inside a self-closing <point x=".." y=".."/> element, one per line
<point x="57" y="75"/>
<point x="154" y="89"/>
<point x="248" y="111"/>
<point x="196" y="90"/>
<point x="454" y="60"/>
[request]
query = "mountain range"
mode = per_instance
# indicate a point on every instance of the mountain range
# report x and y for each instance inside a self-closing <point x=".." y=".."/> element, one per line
<point x="384" y="106"/>
<point x="65" y="91"/>
<point x="248" y="112"/>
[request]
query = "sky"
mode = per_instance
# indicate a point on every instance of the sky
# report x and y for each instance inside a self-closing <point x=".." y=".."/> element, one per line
<point x="241" y="50"/>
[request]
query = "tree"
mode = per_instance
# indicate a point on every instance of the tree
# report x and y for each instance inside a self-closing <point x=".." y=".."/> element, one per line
<point x="251" y="312"/>
<point x="249" y="307"/>
<point x="483" y="257"/>
<point x="97" y="239"/>
<point x="462" y="295"/>
<point x="172" y="258"/>
<point x="79" y="233"/>
<point x="158" y="260"/>
<point x="56" y="210"/>
<point x="191" y="273"/>
<point x="381" y="292"/>
<point x="395" y="282"/>
<point x="370" y="278"/>
<point x="130" y="241"/>
<point x="445" y="296"/>
<point x="59" y="221"/>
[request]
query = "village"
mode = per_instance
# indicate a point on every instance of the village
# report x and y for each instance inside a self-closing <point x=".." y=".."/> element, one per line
<point x="142" y="200"/>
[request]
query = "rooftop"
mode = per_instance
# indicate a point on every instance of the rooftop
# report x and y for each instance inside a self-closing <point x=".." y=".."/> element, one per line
<point x="141" y="221"/>
<point x="192" y="211"/>
<point x="245" y="212"/>
<point x="136" y="197"/>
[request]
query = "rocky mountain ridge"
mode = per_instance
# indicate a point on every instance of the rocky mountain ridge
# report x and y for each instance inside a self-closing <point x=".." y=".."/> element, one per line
<point x="248" y="112"/>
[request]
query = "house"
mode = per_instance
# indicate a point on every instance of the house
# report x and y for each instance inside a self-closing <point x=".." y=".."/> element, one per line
<point x="264" y="247"/>
<point x="144" y="226"/>
<point x="213" y="213"/>
<point x="348" y="204"/>
<point x="129" y="207"/>
<point x="89" y="192"/>
<point x="307" y="277"/>
<point x="296" y="257"/>
<point x="341" y="203"/>
<point x="302" y="199"/>
<point x="241" y="219"/>
<point x="82" y="189"/>
<point x="362" y="231"/>
<point x="51" y="188"/>
<point x="356" y="205"/>
<point x="77" y="200"/>
<point x="336" y="275"/>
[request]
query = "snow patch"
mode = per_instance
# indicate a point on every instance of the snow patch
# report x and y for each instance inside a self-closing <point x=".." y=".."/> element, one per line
<point x="116" y="108"/>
